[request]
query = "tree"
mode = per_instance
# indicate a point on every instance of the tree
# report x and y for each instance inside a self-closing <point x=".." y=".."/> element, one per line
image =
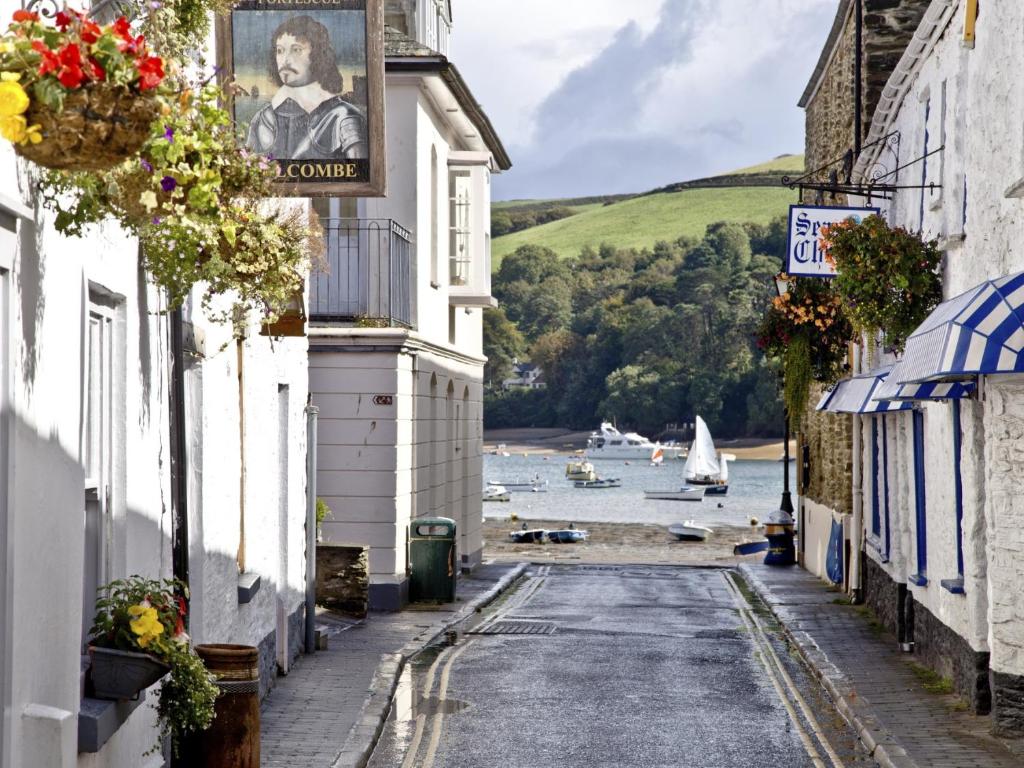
<point x="503" y="343"/>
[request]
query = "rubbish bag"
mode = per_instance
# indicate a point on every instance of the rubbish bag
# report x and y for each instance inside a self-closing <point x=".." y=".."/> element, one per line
<point x="834" y="560"/>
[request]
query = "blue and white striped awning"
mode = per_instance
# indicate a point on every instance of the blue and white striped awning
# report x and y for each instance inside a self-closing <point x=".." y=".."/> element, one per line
<point x="979" y="332"/>
<point x="932" y="390"/>
<point x="857" y="395"/>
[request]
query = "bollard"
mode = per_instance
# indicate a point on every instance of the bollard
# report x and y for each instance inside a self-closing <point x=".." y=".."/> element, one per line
<point x="233" y="740"/>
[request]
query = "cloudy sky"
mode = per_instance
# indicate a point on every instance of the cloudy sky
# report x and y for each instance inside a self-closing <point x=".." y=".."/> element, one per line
<point x="607" y="96"/>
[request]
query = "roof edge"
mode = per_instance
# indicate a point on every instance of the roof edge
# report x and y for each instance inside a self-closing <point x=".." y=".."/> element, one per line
<point x="455" y="82"/>
<point x="845" y="6"/>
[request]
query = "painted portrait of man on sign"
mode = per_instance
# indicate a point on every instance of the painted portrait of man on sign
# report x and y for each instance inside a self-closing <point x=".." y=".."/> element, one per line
<point x="308" y="90"/>
<point x="307" y="117"/>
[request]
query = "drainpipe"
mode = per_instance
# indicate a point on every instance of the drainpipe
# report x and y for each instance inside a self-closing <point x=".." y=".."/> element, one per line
<point x="312" y="414"/>
<point x="179" y="455"/>
<point x="857" y="526"/>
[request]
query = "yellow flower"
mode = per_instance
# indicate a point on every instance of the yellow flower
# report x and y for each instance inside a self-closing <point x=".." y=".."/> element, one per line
<point x="32" y="133"/>
<point x="146" y="624"/>
<point x="13" y="99"/>
<point x="13" y="128"/>
<point x="8" y="76"/>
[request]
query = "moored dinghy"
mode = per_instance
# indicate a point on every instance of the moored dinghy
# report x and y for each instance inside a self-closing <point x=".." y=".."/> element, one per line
<point x="690" y="531"/>
<point x="567" y="536"/>
<point x="685" y="493"/>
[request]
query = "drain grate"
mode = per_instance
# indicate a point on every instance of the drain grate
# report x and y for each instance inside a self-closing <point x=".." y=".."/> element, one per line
<point x="516" y="628"/>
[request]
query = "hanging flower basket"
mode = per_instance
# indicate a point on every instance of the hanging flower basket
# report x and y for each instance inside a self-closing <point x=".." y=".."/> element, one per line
<point x="888" y="278"/>
<point x="77" y="96"/>
<point x="98" y="128"/>
<point x="808" y="332"/>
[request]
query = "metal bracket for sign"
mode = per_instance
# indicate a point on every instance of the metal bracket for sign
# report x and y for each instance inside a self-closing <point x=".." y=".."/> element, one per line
<point x="104" y="11"/>
<point x="835" y="177"/>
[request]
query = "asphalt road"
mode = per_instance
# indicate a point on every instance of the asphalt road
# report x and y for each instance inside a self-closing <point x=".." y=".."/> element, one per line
<point x="615" y="666"/>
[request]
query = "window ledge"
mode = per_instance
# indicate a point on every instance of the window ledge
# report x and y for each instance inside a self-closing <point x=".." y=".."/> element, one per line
<point x="955" y="586"/>
<point x="918" y="579"/>
<point x="99" y="719"/>
<point x="435" y="285"/>
<point x="248" y="586"/>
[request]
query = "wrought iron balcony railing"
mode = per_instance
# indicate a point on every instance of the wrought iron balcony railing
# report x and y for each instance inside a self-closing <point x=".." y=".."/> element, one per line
<point x="369" y="277"/>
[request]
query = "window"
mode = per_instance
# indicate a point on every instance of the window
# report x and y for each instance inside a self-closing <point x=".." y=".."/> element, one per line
<point x="98" y="455"/>
<point x="885" y="486"/>
<point x="433" y="217"/>
<point x="460" y="253"/>
<point x="956" y="586"/>
<point x="920" y="578"/>
<point x="876" y="512"/>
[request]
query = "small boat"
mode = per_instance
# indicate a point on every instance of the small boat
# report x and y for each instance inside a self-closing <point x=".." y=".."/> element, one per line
<point x="716" y="490"/>
<point x="611" y="482"/>
<point x="686" y="493"/>
<point x="497" y="493"/>
<point x="704" y="466"/>
<point x="609" y="443"/>
<point x="567" y="536"/>
<point x="528" y="536"/>
<point x="536" y="485"/>
<point x="750" y="547"/>
<point x="580" y="470"/>
<point x="690" y="531"/>
<point x="658" y="459"/>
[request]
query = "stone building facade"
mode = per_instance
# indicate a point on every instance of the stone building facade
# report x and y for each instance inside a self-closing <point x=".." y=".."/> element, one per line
<point x="941" y="482"/>
<point x="830" y="105"/>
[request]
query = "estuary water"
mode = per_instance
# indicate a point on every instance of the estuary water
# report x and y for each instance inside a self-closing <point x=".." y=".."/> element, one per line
<point x="755" y="490"/>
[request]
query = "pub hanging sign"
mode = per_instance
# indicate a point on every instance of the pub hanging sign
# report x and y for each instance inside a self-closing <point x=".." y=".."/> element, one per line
<point x="804" y="257"/>
<point x="307" y="90"/>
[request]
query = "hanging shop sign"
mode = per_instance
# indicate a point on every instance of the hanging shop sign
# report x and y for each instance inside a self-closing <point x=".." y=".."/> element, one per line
<point x="307" y="90"/>
<point x="804" y="257"/>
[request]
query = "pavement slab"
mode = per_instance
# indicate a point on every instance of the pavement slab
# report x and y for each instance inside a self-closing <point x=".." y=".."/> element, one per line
<point x="327" y="711"/>
<point x="872" y="683"/>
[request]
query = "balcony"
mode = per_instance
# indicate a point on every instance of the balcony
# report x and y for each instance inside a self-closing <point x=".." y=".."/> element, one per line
<point x="369" y="279"/>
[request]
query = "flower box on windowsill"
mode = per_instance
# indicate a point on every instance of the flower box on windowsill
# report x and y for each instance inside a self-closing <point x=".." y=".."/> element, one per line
<point x="119" y="675"/>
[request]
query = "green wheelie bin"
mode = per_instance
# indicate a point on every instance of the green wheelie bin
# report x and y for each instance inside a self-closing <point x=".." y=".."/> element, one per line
<point x="432" y="560"/>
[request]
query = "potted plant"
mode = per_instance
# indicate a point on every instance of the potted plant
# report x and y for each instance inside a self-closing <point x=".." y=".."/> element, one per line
<point x="888" y="278"/>
<point x="138" y="637"/>
<point x="75" y="94"/>
<point x="807" y="330"/>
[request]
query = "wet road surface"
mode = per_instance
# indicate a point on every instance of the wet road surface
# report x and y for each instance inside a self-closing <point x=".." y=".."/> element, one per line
<point x="615" y="666"/>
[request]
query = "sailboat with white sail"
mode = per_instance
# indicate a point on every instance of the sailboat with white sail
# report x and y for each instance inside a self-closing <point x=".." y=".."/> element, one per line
<point x="704" y="465"/>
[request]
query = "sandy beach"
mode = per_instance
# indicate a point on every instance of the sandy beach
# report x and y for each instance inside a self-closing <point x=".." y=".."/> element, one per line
<point x="618" y="543"/>
<point x="561" y="441"/>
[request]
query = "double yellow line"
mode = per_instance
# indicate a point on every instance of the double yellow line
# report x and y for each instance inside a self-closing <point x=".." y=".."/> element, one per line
<point x="445" y="661"/>
<point x="783" y="683"/>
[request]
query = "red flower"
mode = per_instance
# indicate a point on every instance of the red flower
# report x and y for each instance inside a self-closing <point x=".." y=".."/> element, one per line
<point x="23" y="15"/>
<point x="71" y="74"/>
<point x="62" y="20"/>
<point x="122" y="28"/>
<point x="90" y="32"/>
<point x="49" y="62"/>
<point x="151" y="72"/>
<point x="96" y="72"/>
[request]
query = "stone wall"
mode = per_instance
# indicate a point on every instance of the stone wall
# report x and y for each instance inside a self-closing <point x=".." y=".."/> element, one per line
<point x="942" y="649"/>
<point x="829" y="437"/>
<point x="342" y="578"/>
<point x="882" y="596"/>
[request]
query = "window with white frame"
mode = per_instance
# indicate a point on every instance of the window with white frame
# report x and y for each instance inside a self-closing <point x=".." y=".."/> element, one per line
<point x="98" y="451"/>
<point x="461" y="230"/>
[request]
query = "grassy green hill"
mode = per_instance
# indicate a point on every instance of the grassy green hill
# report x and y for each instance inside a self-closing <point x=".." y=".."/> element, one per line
<point x="642" y="221"/>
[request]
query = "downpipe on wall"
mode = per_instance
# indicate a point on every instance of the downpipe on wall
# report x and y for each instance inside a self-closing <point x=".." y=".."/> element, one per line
<point x="857" y="526"/>
<point x="312" y="415"/>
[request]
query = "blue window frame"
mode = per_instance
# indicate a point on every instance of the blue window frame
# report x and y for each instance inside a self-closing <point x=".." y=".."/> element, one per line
<point x="885" y="484"/>
<point x="876" y="512"/>
<point x="920" y="578"/>
<point x="956" y="586"/>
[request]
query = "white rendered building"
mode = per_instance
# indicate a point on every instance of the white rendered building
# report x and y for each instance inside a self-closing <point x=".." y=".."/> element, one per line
<point x="396" y="334"/>
<point x="89" y="459"/>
